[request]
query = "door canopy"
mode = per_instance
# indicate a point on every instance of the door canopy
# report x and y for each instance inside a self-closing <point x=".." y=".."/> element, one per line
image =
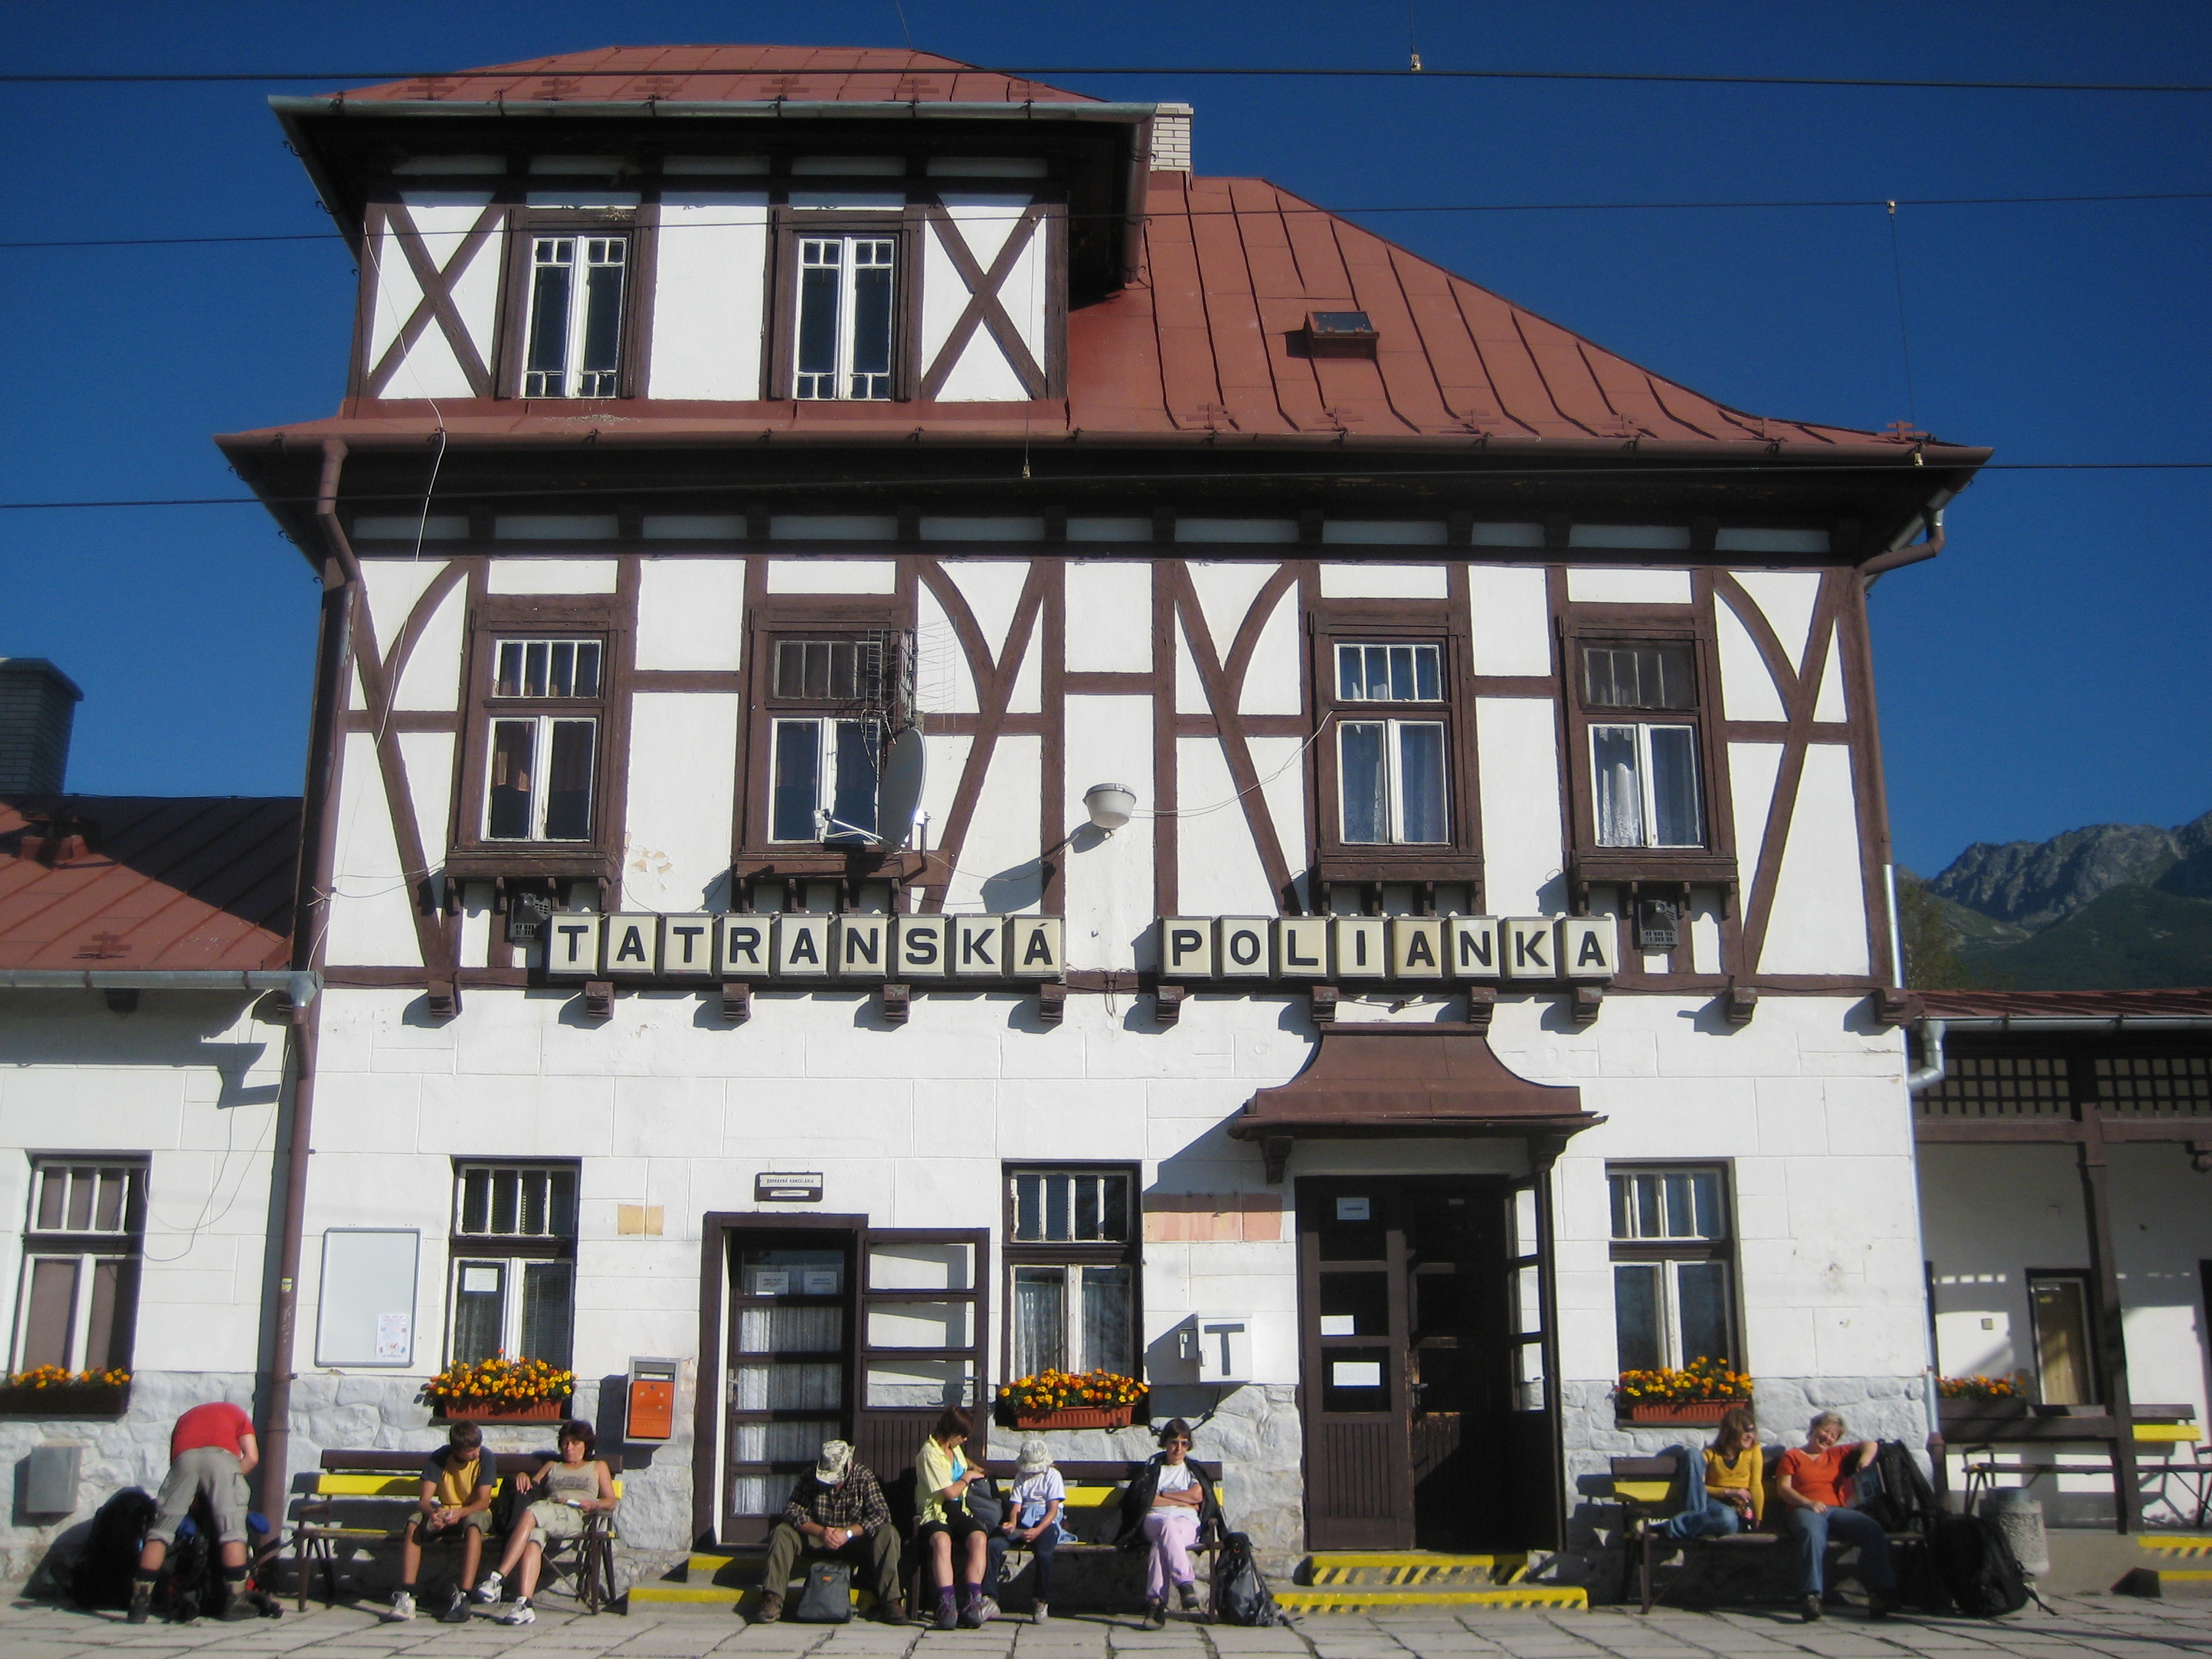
<point x="1379" y="1082"/>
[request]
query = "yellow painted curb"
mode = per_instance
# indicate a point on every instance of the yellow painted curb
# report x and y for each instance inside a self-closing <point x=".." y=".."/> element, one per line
<point x="690" y="1594"/>
<point x="2175" y="1544"/>
<point x="1354" y="1599"/>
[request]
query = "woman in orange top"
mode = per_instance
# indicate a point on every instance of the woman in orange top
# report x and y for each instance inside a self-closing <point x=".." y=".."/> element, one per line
<point x="1809" y="1481"/>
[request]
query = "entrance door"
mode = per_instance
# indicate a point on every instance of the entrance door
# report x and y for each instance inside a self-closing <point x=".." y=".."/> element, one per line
<point x="791" y="1339"/>
<point x="2065" y="1366"/>
<point x="1405" y="1308"/>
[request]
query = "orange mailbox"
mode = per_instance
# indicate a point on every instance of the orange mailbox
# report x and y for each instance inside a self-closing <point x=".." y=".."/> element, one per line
<point x="652" y="1400"/>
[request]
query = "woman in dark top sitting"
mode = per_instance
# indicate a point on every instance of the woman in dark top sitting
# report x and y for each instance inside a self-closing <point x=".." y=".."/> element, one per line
<point x="1166" y="1509"/>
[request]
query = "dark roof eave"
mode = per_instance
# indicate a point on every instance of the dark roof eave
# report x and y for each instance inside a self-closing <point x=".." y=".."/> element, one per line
<point x="819" y="109"/>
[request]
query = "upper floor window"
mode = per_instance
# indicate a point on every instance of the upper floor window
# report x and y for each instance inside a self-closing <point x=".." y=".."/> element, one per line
<point x="545" y="734"/>
<point x="78" y="1300"/>
<point x="842" y="346"/>
<point x="1072" y="1258"/>
<point x="825" y="759"/>
<point x="575" y="331"/>
<point x="1391" y="775"/>
<point x="1645" y="789"/>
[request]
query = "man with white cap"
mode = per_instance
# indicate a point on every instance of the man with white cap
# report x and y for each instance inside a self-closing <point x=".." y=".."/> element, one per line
<point x="836" y="1511"/>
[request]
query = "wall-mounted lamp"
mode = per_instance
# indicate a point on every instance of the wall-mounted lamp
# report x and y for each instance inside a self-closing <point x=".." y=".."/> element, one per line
<point x="1110" y="804"/>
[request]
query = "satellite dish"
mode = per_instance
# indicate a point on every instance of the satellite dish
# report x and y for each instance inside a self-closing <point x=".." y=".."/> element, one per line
<point x="898" y="795"/>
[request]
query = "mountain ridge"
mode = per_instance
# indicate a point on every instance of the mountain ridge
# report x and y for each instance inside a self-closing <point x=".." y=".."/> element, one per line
<point x="2036" y="884"/>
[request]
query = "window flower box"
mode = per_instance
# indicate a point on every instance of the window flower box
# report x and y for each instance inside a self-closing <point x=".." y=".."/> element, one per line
<point x="1063" y="1400"/>
<point x="68" y="1396"/>
<point x="501" y="1390"/>
<point x="495" y="1412"/>
<point x="1682" y="1411"/>
<point x="1076" y="1417"/>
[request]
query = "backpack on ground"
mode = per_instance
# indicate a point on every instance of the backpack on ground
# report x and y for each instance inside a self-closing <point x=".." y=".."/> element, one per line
<point x="191" y="1583"/>
<point x="101" y="1576"/>
<point x="1893" y="1491"/>
<point x="828" y="1597"/>
<point x="1977" y="1567"/>
<point x="1244" y="1597"/>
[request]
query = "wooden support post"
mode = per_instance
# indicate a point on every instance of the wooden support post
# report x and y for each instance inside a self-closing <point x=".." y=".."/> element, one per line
<point x="2106" y="1335"/>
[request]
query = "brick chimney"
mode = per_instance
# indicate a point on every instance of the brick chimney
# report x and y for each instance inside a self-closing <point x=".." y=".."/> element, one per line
<point x="38" y="705"/>
<point x="1172" y="138"/>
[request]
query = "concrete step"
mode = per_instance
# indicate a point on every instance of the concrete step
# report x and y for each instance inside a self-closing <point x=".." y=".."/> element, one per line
<point x="2175" y="1564"/>
<point x="1381" y="1598"/>
<point x="1413" y="1568"/>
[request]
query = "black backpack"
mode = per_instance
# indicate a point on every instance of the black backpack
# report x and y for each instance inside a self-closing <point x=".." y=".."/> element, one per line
<point x="1977" y="1567"/>
<point x="1244" y="1596"/>
<point x="191" y="1583"/>
<point x="1895" y="1493"/>
<point x="101" y="1576"/>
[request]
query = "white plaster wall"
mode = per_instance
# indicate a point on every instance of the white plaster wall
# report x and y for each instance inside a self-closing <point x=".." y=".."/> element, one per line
<point x="1219" y="868"/>
<point x="392" y="586"/>
<point x="1383" y="582"/>
<point x="1829" y="705"/>
<point x="1511" y="609"/>
<point x="1519" y="755"/>
<point x="432" y="677"/>
<point x="690" y="613"/>
<point x="372" y="921"/>
<point x="1226" y="589"/>
<point x="829" y="575"/>
<point x="1626" y="584"/>
<point x="683" y="786"/>
<point x="1786" y="598"/>
<point x="190" y="1079"/>
<point x="430" y="369"/>
<point x="710" y="268"/>
<point x="1109" y="617"/>
<point x="1109" y="881"/>
<point x="993" y="589"/>
<point x="1190" y="697"/>
<point x="1273" y="676"/>
<point x="982" y="374"/>
<point x="999" y="872"/>
<point x="944" y="683"/>
<point x="428" y="758"/>
<point x="1818" y="924"/>
<point x="1748" y="688"/>
<point x="513" y="573"/>
<point x="1753" y="769"/>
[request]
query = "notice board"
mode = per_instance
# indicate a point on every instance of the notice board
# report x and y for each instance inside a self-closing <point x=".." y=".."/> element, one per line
<point x="368" y="1313"/>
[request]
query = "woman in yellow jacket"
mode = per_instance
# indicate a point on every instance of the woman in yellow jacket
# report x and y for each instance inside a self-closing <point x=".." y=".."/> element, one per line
<point x="1724" y="1489"/>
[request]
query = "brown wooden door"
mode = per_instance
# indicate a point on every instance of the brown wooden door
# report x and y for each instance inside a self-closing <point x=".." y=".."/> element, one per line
<point x="923" y="1309"/>
<point x="1354" y="1320"/>
<point x="791" y="1331"/>
<point x="1458" y="1381"/>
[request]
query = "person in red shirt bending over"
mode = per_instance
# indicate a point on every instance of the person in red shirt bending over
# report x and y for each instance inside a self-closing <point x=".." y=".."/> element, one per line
<point x="1810" y="1482"/>
<point x="211" y="1451"/>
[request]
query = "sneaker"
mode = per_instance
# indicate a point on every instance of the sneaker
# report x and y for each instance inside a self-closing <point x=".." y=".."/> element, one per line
<point x="1040" y="1614"/>
<point x="520" y="1613"/>
<point x="141" y="1603"/>
<point x="971" y="1614"/>
<point x="1188" y="1593"/>
<point x="488" y="1591"/>
<point x="770" y="1610"/>
<point x="401" y="1608"/>
<point x="456" y="1609"/>
<point x="947" y="1618"/>
<point x="991" y="1609"/>
<point x="240" y="1608"/>
<point x="1156" y="1615"/>
<point x="1810" y="1610"/>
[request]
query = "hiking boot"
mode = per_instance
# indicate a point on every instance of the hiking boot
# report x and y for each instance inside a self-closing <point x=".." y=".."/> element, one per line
<point x="401" y="1608"/>
<point x="770" y="1610"/>
<point x="456" y="1609"/>
<point x="892" y="1612"/>
<point x="141" y="1602"/>
<point x="1810" y="1610"/>
<point x="490" y="1588"/>
<point x="1188" y="1593"/>
<point x="520" y="1613"/>
<point x="240" y="1608"/>
<point x="1155" y="1614"/>
<point x="971" y="1614"/>
<point x="947" y="1617"/>
<point x="1881" y="1603"/>
<point x="1040" y="1613"/>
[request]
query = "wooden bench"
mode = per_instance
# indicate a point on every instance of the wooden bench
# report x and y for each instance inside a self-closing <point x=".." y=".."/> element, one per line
<point x="1647" y="1490"/>
<point x="2196" y="1477"/>
<point x="381" y="1492"/>
<point x="1093" y="1513"/>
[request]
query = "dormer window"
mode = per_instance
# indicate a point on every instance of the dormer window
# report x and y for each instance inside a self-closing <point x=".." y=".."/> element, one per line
<point x="575" y="327"/>
<point x="847" y="297"/>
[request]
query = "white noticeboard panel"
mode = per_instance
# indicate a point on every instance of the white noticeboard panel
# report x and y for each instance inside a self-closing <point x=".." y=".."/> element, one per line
<point x="368" y="1311"/>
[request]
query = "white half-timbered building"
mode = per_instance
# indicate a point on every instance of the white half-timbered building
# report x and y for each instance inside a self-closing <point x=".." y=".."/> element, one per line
<point x="942" y="749"/>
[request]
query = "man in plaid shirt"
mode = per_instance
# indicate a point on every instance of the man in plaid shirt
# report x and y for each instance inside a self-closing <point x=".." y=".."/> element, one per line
<point x="837" y="1512"/>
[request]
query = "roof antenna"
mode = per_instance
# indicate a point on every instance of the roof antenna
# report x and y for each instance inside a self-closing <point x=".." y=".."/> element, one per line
<point x="1412" y="41"/>
<point x="900" y="9"/>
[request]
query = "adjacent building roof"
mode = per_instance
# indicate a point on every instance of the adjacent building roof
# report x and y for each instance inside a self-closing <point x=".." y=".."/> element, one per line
<point x="723" y="75"/>
<point x="109" y="882"/>
<point x="2192" y="1002"/>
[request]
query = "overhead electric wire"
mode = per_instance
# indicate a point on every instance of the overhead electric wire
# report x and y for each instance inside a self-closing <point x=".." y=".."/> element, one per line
<point x="1029" y="72"/>
<point x="1892" y="203"/>
<point x="1048" y="480"/>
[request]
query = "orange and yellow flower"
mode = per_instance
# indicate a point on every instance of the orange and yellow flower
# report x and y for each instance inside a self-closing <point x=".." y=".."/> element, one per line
<point x="1057" y="1390"/>
<point x="1702" y="1379"/>
<point x="509" y="1384"/>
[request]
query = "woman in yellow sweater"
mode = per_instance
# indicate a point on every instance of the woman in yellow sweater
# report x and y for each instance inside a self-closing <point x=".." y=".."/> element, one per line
<point x="1725" y="1490"/>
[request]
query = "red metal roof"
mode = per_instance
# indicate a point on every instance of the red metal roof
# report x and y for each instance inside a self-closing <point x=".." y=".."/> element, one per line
<point x="725" y="74"/>
<point x="105" y="882"/>
<point x="2188" y="1002"/>
<point x="1208" y="343"/>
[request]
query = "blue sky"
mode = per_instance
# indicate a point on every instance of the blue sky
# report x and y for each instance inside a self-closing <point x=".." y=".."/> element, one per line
<point x="2030" y="680"/>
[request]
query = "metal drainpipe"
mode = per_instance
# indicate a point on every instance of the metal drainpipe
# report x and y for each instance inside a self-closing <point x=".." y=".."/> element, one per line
<point x="311" y="909"/>
<point x="1931" y="1055"/>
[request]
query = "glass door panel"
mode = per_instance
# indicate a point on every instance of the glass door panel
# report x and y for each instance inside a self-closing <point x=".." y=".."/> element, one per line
<point x="790" y="1346"/>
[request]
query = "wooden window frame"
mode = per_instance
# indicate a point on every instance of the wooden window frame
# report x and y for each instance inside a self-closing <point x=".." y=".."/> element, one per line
<point x="752" y="853"/>
<point x="471" y="853"/>
<point x="787" y="225"/>
<point x="525" y="225"/>
<point x="512" y="1251"/>
<point x="1129" y="1252"/>
<point x="1721" y="1248"/>
<point x="1588" y="863"/>
<point x="1386" y="622"/>
<point x="86" y="1245"/>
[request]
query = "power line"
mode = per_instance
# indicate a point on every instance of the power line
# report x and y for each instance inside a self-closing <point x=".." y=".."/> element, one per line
<point x="1042" y="481"/>
<point x="1210" y="71"/>
<point x="1280" y="211"/>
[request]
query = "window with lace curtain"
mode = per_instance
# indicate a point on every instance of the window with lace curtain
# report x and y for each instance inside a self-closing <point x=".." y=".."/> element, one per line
<point x="1072" y="1252"/>
<point x="513" y="1262"/>
<point x="1641" y="701"/>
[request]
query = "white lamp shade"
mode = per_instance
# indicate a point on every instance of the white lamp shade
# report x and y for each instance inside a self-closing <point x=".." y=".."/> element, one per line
<point x="1110" y="804"/>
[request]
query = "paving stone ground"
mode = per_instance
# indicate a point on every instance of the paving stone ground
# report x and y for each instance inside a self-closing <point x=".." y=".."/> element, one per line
<point x="2116" y="1627"/>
